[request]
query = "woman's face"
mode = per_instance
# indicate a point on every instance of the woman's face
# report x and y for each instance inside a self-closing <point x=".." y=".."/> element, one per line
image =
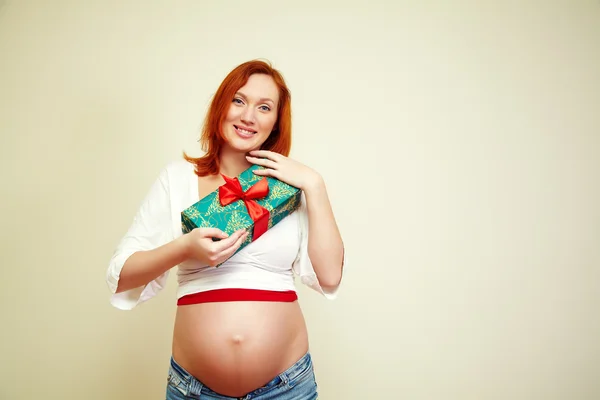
<point x="252" y="114"/>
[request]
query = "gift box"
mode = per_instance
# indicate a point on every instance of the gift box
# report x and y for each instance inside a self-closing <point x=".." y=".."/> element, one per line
<point x="251" y="202"/>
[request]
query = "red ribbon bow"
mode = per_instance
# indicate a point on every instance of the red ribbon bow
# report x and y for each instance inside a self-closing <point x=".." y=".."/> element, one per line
<point x="232" y="191"/>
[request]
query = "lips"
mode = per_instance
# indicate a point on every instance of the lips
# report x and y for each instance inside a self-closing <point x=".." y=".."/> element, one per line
<point x="244" y="132"/>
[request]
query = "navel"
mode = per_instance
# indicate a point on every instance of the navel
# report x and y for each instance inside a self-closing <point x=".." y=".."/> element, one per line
<point x="237" y="339"/>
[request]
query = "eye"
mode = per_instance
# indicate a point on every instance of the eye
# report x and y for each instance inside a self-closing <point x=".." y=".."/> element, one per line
<point x="237" y="100"/>
<point x="265" y="108"/>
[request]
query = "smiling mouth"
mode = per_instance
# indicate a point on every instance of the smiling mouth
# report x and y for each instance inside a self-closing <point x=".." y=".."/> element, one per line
<point x="244" y="132"/>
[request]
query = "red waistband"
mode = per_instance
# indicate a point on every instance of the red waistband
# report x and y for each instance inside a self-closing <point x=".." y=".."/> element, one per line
<point x="220" y="295"/>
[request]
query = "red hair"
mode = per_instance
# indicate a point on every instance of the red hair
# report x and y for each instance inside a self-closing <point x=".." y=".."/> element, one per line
<point x="212" y="138"/>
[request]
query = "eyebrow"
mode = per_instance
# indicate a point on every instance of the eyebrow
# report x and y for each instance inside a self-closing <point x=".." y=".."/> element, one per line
<point x="260" y="100"/>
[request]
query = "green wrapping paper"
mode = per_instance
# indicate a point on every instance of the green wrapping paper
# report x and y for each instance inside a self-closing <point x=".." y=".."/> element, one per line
<point x="256" y="204"/>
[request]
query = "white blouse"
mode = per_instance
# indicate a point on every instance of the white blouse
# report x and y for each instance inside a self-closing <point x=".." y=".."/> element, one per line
<point x="268" y="263"/>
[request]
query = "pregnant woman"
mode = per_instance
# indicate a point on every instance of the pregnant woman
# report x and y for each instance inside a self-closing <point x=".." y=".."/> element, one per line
<point x="239" y="330"/>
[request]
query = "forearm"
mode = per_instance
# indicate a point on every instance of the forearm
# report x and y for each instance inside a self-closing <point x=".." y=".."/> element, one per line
<point x="144" y="266"/>
<point x="325" y="246"/>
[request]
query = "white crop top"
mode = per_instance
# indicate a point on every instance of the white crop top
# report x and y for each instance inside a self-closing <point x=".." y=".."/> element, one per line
<point x="268" y="263"/>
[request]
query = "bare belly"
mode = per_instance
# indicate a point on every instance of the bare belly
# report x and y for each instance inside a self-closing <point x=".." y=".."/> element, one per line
<point x="237" y="347"/>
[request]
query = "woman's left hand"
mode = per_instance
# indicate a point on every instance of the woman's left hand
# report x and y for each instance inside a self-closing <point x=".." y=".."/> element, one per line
<point x="285" y="169"/>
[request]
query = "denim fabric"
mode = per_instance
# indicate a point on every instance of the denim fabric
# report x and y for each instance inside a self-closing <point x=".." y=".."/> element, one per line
<point x="296" y="383"/>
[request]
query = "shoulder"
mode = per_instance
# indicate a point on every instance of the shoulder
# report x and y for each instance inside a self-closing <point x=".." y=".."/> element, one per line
<point x="175" y="177"/>
<point x="178" y="167"/>
<point x="176" y="172"/>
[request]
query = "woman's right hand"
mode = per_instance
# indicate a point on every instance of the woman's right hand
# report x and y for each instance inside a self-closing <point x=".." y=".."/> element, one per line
<point x="202" y="247"/>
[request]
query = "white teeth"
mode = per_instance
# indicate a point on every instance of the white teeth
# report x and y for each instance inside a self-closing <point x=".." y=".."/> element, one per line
<point x="245" y="131"/>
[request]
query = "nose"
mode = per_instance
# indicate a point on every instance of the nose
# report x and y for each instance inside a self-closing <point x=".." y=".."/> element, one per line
<point x="248" y="116"/>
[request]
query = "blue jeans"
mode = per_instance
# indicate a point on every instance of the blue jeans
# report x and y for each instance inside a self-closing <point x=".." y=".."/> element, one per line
<point x="296" y="383"/>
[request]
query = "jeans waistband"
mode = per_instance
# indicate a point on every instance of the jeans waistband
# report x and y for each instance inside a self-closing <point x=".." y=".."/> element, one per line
<point x="287" y="376"/>
<point x="295" y="370"/>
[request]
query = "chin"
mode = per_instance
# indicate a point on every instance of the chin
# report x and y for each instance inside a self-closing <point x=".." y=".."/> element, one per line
<point x="240" y="144"/>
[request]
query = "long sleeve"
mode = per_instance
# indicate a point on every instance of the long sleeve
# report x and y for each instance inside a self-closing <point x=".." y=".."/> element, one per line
<point x="302" y="265"/>
<point x="151" y="228"/>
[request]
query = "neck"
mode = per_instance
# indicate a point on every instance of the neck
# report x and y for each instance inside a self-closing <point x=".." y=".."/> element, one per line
<point x="233" y="163"/>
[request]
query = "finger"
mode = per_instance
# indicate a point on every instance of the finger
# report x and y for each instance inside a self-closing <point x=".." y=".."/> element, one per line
<point x="218" y="247"/>
<point x="265" y="162"/>
<point x="225" y="254"/>
<point x="213" y="232"/>
<point x="223" y="244"/>
<point x="266" y="154"/>
<point x="228" y="252"/>
<point x="269" y="172"/>
<point x="263" y="172"/>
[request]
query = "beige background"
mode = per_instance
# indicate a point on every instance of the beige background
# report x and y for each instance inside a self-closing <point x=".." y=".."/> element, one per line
<point x="460" y="142"/>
